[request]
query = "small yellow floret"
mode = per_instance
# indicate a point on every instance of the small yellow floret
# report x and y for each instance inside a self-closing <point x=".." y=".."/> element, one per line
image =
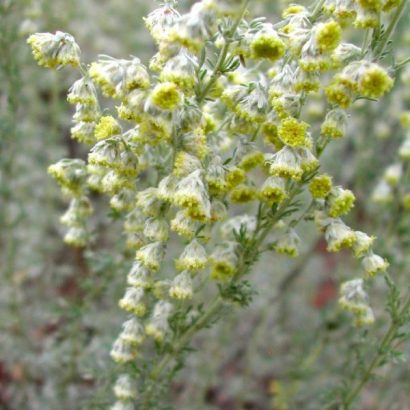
<point x="106" y="127"/>
<point x="267" y="46"/>
<point x="328" y="36"/>
<point x="166" y="96"/>
<point x="293" y="132"/>
<point x="375" y="82"/>
<point x="320" y="186"/>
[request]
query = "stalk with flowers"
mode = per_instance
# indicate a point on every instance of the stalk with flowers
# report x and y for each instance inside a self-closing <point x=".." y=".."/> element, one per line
<point x="207" y="147"/>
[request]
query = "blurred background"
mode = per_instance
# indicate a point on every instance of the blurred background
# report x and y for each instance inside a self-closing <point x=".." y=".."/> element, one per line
<point x="58" y="305"/>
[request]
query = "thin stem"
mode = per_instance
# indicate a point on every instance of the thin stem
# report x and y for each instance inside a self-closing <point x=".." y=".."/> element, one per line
<point x="317" y="10"/>
<point x="377" y="359"/>
<point x="186" y="337"/>
<point x="365" y="42"/>
<point x="402" y="63"/>
<point x="222" y="55"/>
<point x="390" y="29"/>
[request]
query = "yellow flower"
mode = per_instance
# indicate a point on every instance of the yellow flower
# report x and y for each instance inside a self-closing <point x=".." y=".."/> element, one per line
<point x="328" y="36"/>
<point x="288" y="244"/>
<point x="334" y="125"/>
<point x="251" y="160"/>
<point x="293" y="9"/>
<point x="235" y="176"/>
<point x="166" y="96"/>
<point x="373" y="264"/>
<point x="181" y="286"/>
<point x="273" y="190"/>
<point x="339" y="236"/>
<point x="339" y="94"/>
<point x="243" y="193"/>
<point x="53" y="50"/>
<point x="340" y="201"/>
<point x="267" y="44"/>
<point x="224" y="261"/>
<point x="132" y="301"/>
<point x="320" y="186"/>
<point x="373" y="5"/>
<point x="293" y="132"/>
<point x="107" y="127"/>
<point x="192" y="258"/>
<point x="374" y="82"/>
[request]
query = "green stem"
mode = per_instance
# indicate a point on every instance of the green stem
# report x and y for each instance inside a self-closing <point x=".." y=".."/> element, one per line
<point x="213" y="308"/>
<point x="317" y="10"/>
<point x="222" y="55"/>
<point x="402" y="63"/>
<point x="377" y="359"/>
<point x="390" y="29"/>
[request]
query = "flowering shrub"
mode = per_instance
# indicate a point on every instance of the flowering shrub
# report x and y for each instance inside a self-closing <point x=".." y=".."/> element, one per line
<point x="211" y="147"/>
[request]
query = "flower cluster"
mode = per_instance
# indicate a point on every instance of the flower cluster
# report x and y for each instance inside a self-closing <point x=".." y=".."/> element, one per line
<point x="208" y="132"/>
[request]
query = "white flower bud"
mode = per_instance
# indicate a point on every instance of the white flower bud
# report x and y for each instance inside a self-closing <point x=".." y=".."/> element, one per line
<point x="338" y="235"/>
<point x="181" y="286"/>
<point x="54" y="50"/>
<point x="133" y="301"/>
<point x="125" y="388"/>
<point x="156" y="229"/>
<point x="122" y="352"/>
<point x="373" y="264"/>
<point x="158" y="326"/>
<point x="288" y="244"/>
<point x="133" y="332"/>
<point x="193" y="257"/>
<point x="393" y="173"/>
<point x="139" y="276"/>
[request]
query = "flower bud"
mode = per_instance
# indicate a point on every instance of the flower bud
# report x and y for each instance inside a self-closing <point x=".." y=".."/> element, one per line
<point x="151" y="255"/>
<point x="338" y="235"/>
<point x="76" y="236"/>
<point x="166" y="96"/>
<point x="181" y="286"/>
<point x="362" y="244"/>
<point x="69" y="173"/>
<point x="123" y="352"/>
<point x="266" y="44"/>
<point x="156" y="229"/>
<point x="286" y="163"/>
<point x="393" y="173"/>
<point x="192" y="258"/>
<point x="335" y="124"/>
<point x="354" y="299"/>
<point x="107" y="127"/>
<point x="133" y="332"/>
<point x="133" y="301"/>
<point x="340" y="201"/>
<point x="54" y="50"/>
<point x="224" y="261"/>
<point x="192" y="195"/>
<point x="288" y="244"/>
<point x="373" y="264"/>
<point x="148" y="202"/>
<point x="139" y="276"/>
<point x="158" y="326"/>
<point x="125" y="388"/>
<point x="320" y="186"/>
<point x="82" y="92"/>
